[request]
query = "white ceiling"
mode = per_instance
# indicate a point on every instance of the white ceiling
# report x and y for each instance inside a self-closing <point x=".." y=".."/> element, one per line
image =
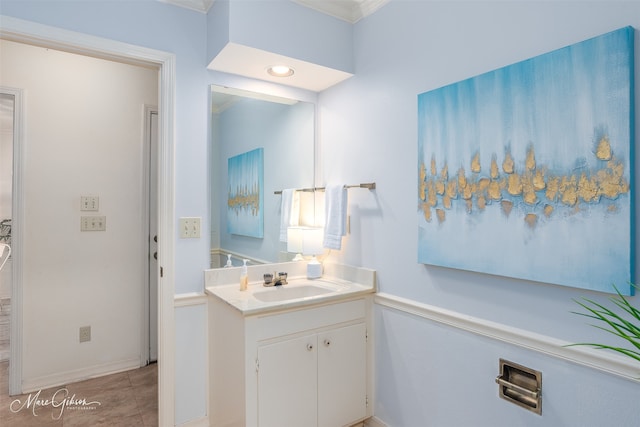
<point x="347" y="10"/>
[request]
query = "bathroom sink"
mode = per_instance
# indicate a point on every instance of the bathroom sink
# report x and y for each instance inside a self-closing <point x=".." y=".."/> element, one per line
<point x="289" y="292"/>
<point x="299" y="291"/>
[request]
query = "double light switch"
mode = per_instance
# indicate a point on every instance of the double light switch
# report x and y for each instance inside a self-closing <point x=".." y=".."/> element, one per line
<point x="91" y="222"/>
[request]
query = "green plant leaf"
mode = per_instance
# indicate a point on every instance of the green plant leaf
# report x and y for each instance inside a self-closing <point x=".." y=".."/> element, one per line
<point x="614" y="323"/>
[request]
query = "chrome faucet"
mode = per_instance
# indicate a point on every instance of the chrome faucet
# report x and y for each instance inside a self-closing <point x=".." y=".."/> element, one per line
<point x="275" y="279"/>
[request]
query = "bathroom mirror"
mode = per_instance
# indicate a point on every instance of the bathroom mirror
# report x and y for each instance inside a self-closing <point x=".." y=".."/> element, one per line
<point x="243" y="121"/>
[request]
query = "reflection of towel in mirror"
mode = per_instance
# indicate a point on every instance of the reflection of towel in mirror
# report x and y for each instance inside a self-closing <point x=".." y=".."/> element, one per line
<point x="289" y="211"/>
<point x="335" y="207"/>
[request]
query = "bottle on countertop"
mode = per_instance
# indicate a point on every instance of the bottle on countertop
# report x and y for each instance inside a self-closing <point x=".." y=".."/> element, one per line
<point x="244" y="276"/>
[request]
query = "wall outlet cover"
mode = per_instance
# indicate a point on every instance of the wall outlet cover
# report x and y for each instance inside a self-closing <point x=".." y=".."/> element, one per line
<point x="85" y="333"/>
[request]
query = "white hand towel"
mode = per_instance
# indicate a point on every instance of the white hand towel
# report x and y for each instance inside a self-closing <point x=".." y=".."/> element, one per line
<point x="335" y="207"/>
<point x="289" y="211"/>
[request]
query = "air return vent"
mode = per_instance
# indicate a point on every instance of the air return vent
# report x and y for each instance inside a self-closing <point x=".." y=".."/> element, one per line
<point x="520" y="385"/>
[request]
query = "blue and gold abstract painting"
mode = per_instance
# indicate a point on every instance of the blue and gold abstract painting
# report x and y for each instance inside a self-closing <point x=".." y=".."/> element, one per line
<point x="245" y="192"/>
<point x="526" y="171"/>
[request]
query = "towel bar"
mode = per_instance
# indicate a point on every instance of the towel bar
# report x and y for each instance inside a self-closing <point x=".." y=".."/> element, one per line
<point x="368" y="186"/>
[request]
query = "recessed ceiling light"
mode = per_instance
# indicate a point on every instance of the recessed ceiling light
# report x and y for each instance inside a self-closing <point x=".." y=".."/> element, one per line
<point x="280" y="71"/>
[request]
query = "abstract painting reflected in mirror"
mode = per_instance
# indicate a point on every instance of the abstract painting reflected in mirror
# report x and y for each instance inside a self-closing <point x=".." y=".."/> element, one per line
<point x="284" y="130"/>
<point x="525" y="171"/>
<point x="245" y="194"/>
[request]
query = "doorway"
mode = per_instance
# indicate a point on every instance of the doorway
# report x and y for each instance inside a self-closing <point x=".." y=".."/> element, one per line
<point x="150" y="338"/>
<point x="30" y="32"/>
<point x="7" y="108"/>
<point x="85" y="117"/>
<point x="77" y="150"/>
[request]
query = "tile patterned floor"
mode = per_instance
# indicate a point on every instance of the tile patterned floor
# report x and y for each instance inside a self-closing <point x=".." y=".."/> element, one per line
<point x="119" y="400"/>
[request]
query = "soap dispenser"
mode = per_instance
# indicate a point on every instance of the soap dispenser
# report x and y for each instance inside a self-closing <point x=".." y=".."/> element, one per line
<point x="229" y="263"/>
<point x="244" y="276"/>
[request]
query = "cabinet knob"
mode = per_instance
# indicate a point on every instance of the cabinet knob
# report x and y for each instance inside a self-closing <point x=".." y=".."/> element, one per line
<point x="310" y="347"/>
<point x="327" y="342"/>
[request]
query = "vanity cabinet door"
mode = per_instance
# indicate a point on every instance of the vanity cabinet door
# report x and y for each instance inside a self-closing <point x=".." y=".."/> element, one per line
<point x="287" y="383"/>
<point x="342" y="376"/>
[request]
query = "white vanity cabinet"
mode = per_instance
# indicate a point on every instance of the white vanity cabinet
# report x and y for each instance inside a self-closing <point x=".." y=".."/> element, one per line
<point x="299" y="367"/>
<point x="318" y="379"/>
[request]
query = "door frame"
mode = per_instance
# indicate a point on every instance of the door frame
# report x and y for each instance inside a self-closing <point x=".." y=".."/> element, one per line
<point x="17" y="215"/>
<point x="56" y="38"/>
<point x="146" y="236"/>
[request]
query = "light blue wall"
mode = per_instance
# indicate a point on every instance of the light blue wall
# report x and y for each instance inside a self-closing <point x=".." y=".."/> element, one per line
<point x="289" y="29"/>
<point x="217" y="28"/>
<point x="191" y="363"/>
<point x="425" y="371"/>
<point x="429" y="374"/>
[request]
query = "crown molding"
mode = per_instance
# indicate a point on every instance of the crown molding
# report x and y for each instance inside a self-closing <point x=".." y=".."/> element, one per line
<point x="197" y="5"/>
<point x="348" y="10"/>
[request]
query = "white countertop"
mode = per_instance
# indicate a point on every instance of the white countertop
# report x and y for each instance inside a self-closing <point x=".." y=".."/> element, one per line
<point x="299" y="291"/>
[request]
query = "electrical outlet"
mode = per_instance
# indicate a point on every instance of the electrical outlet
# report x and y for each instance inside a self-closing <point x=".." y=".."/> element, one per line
<point x="93" y="223"/>
<point x="89" y="203"/>
<point x="190" y="228"/>
<point x="85" y="333"/>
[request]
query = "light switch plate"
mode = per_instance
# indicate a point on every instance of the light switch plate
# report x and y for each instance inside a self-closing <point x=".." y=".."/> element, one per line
<point x="89" y="203"/>
<point x="93" y="223"/>
<point x="190" y="228"/>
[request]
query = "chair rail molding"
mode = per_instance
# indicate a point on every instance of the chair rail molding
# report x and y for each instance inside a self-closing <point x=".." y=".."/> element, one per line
<point x="600" y="360"/>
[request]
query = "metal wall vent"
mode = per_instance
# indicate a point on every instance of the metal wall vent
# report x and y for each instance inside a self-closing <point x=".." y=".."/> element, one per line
<point x="520" y="385"/>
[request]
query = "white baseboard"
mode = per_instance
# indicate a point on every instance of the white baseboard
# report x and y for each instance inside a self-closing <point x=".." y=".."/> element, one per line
<point x="374" y="422"/>
<point x="200" y="422"/>
<point x="62" y="378"/>
<point x="188" y="299"/>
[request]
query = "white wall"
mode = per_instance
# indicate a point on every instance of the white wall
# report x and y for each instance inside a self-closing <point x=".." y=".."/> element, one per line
<point x="84" y="136"/>
<point x="427" y="372"/>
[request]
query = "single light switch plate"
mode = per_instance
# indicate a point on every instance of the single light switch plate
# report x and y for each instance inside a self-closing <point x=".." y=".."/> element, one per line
<point x="93" y="223"/>
<point x="190" y="228"/>
<point x="89" y="203"/>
